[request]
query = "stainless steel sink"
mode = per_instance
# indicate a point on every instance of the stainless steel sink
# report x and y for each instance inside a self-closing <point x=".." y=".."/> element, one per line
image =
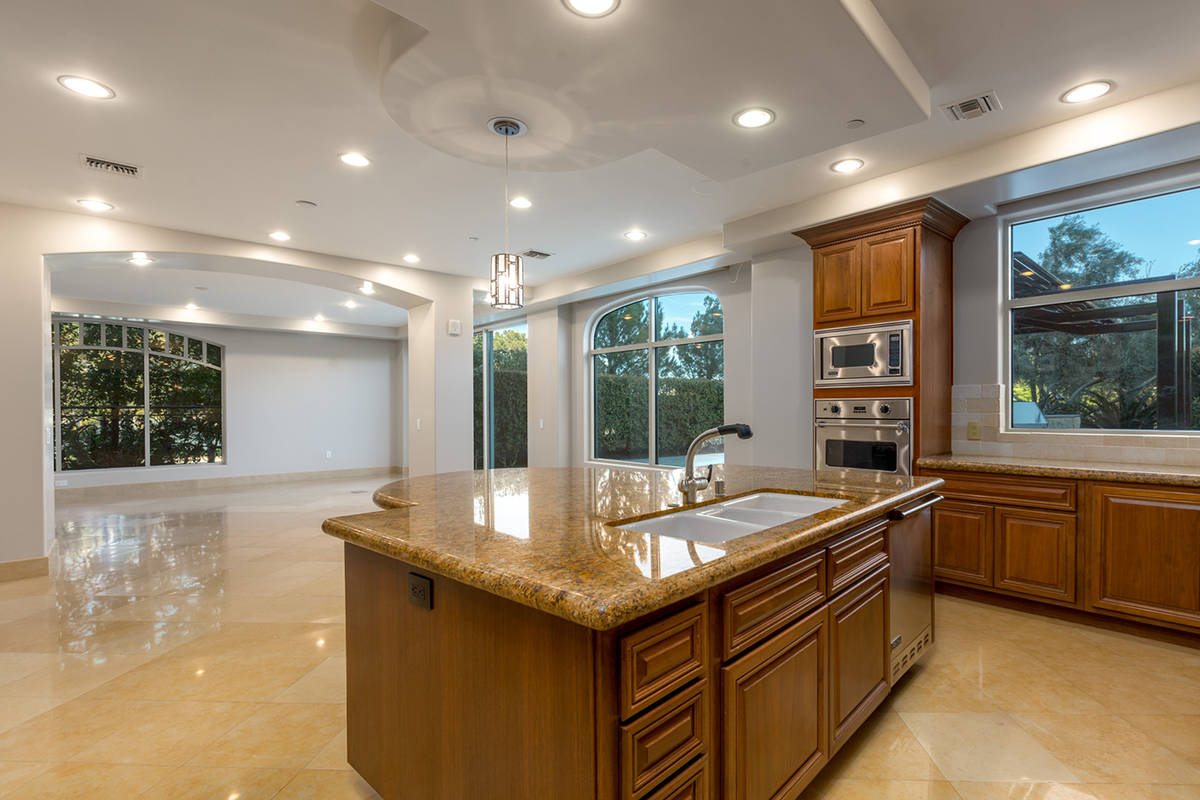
<point x="735" y="518"/>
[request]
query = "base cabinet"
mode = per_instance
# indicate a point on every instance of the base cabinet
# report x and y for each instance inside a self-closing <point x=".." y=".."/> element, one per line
<point x="859" y="656"/>
<point x="1035" y="553"/>
<point x="1145" y="552"/>
<point x="962" y="542"/>
<point x="776" y="737"/>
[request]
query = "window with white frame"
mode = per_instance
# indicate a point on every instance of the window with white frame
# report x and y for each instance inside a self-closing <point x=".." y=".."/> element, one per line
<point x="658" y="378"/>
<point x="1102" y="308"/>
<point x="130" y="394"/>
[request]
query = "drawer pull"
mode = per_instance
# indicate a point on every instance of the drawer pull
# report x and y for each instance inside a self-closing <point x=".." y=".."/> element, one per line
<point x="897" y="514"/>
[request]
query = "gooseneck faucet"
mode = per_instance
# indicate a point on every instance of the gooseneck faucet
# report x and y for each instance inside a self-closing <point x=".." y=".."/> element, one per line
<point x="690" y="485"/>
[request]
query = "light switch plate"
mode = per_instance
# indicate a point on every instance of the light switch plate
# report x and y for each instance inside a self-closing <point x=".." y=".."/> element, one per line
<point x="454" y="327"/>
<point x="974" y="431"/>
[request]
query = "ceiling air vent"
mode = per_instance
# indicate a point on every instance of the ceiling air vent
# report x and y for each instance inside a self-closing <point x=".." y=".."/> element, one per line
<point x="110" y="167"/>
<point x="538" y="254"/>
<point x="972" y="107"/>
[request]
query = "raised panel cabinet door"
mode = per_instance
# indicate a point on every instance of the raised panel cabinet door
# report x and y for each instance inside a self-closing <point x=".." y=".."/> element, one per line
<point x="887" y="272"/>
<point x="837" y="282"/>
<point x="859" y="656"/>
<point x="962" y="542"/>
<point x="1145" y="552"/>
<point x="1035" y="553"/>
<point x="775" y="714"/>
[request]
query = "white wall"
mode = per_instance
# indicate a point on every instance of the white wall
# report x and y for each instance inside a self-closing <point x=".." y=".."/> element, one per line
<point x="550" y="408"/>
<point x="289" y="398"/>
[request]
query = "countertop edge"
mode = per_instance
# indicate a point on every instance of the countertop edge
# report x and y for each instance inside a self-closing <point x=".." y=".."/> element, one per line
<point x="627" y="605"/>
<point x="1116" y="473"/>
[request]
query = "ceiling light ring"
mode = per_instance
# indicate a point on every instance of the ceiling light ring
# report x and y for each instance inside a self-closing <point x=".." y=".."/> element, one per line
<point x="591" y="15"/>
<point x="753" y="118"/>
<point x="86" y="87"/>
<point x="1087" y="91"/>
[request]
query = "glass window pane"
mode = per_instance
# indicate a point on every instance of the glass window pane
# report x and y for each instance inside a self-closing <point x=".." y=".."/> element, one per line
<point x="213" y="354"/>
<point x="626" y="325"/>
<point x="1155" y="238"/>
<point x="195" y="349"/>
<point x="510" y="398"/>
<point x="134" y="338"/>
<point x="112" y="336"/>
<point x="101" y="411"/>
<point x="1128" y="363"/>
<point x="68" y="334"/>
<point x="691" y="399"/>
<point x="621" y="394"/>
<point x="477" y="392"/>
<point x="175" y="343"/>
<point x="91" y="334"/>
<point x="158" y="341"/>
<point x="185" y="412"/>
<point x="683" y="316"/>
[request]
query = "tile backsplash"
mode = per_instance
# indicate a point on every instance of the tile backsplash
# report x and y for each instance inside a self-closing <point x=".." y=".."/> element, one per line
<point x="982" y="403"/>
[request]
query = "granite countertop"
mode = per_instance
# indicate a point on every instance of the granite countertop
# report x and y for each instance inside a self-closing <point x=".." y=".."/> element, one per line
<point x="542" y="537"/>
<point x="1159" y="474"/>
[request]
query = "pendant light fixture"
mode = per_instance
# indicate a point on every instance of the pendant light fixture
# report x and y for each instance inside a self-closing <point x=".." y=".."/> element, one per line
<point x="507" y="288"/>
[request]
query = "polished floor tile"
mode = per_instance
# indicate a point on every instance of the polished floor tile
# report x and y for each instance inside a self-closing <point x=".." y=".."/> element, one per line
<point x="193" y="646"/>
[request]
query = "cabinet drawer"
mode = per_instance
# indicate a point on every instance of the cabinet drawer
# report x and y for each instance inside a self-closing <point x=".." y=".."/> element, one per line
<point x="691" y="784"/>
<point x="663" y="740"/>
<point x="661" y="658"/>
<point x="757" y="610"/>
<point x="857" y="556"/>
<point x="1012" y="490"/>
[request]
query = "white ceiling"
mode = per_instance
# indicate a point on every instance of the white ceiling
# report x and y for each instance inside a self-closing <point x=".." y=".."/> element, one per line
<point x="237" y="108"/>
<point x="175" y="280"/>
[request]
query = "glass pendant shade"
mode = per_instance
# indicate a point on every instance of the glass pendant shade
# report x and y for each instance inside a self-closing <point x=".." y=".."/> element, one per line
<point x="508" y="281"/>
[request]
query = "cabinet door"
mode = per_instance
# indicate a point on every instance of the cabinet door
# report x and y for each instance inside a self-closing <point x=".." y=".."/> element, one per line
<point x="775" y="720"/>
<point x="962" y="542"/>
<point x="1145" y="552"/>
<point x="887" y="273"/>
<point x="1035" y="553"/>
<point x="837" y="282"/>
<point x="859" y="657"/>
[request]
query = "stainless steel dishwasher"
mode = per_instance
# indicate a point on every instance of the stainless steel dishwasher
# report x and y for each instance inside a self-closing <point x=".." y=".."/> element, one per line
<point x="910" y="540"/>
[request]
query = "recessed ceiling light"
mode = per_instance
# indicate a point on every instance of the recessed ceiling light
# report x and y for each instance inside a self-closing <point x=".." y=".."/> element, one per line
<point x="521" y="202"/>
<point x="636" y="235"/>
<point x="1087" y="91"/>
<point x="95" y="205"/>
<point x="754" y="117"/>
<point x="412" y="258"/>
<point x="367" y="288"/>
<point x="306" y="203"/>
<point x="318" y="318"/>
<point x="592" y="8"/>
<point x="140" y="259"/>
<point x="350" y="304"/>
<point x="1194" y="241"/>
<point x="192" y="307"/>
<point x="847" y="165"/>
<point x="86" y="87"/>
<point x="280" y="236"/>
<point x="355" y="160"/>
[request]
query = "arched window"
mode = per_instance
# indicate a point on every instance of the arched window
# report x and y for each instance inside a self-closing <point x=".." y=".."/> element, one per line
<point x="658" y="378"/>
<point x="129" y="394"/>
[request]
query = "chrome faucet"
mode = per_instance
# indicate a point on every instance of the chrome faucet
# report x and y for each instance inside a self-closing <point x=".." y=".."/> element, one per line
<point x="689" y="484"/>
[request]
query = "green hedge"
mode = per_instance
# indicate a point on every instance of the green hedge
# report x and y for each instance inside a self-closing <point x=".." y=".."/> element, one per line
<point x="686" y="406"/>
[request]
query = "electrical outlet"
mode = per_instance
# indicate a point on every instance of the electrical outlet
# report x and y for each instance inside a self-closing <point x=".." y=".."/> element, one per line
<point x="420" y="591"/>
<point x="974" y="431"/>
<point x="329" y="454"/>
<point x="419" y="425"/>
<point x="541" y="424"/>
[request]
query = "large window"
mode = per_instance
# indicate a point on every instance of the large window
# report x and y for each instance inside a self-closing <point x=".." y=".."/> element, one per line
<point x="501" y="398"/>
<point x="658" y="379"/>
<point x="1103" y="306"/>
<point x="133" y="395"/>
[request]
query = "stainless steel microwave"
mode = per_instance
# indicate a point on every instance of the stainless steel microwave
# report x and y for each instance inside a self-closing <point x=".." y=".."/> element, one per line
<point x="864" y="355"/>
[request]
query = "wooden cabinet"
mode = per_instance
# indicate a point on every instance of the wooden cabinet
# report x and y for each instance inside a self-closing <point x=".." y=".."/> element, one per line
<point x="887" y="273"/>
<point x="962" y="542"/>
<point x="859" y="656"/>
<point x="663" y="740"/>
<point x="657" y="660"/>
<point x="753" y="612"/>
<point x="1145" y="552"/>
<point x="837" y="282"/>
<point x="776" y="736"/>
<point x="1035" y="553"/>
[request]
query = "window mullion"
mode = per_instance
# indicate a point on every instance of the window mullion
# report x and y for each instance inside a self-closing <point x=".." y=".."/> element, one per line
<point x="146" y="408"/>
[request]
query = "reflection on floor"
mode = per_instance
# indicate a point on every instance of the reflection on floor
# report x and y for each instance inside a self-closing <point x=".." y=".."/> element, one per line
<point x="193" y="647"/>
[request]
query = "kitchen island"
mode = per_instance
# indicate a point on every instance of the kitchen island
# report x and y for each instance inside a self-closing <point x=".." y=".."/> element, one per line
<point x="506" y="638"/>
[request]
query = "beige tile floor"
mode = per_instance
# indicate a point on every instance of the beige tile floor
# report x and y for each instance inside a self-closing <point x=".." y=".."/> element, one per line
<point x="194" y="647"/>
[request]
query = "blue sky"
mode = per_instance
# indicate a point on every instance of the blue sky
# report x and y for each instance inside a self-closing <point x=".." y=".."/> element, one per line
<point x="1157" y="229"/>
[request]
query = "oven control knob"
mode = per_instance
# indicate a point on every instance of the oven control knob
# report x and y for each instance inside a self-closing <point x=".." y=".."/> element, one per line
<point x="835" y="409"/>
<point x="884" y="408"/>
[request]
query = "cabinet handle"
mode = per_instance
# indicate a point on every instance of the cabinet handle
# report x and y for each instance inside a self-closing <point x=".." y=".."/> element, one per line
<point x="897" y="514"/>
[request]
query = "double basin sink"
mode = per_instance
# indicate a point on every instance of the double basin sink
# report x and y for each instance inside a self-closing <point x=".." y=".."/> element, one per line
<point x="734" y="518"/>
